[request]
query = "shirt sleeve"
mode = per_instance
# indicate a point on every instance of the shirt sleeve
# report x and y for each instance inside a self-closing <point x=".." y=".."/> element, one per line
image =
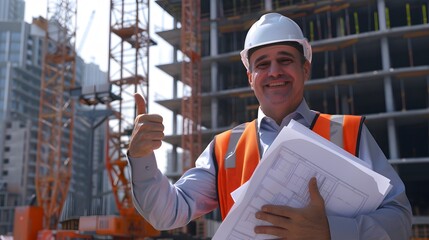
<point x="166" y="205"/>
<point x="393" y="218"/>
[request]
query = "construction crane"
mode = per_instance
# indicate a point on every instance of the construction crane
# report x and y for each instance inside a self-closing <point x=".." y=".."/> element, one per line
<point x="129" y="47"/>
<point x="56" y="110"/>
<point x="191" y="78"/>
<point x="55" y="127"/>
<point x="128" y="72"/>
<point x="85" y="34"/>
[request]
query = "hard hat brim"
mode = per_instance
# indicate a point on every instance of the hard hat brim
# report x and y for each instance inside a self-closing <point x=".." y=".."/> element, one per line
<point x="304" y="43"/>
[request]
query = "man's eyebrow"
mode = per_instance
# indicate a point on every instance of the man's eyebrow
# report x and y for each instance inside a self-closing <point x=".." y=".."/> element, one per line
<point x="286" y="53"/>
<point x="260" y="58"/>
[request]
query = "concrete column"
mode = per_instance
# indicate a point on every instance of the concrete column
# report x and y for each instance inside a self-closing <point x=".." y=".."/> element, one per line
<point x="268" y="5"/>
<point x="388" y="90"/>
<point x="176" y="79"/>
<point x="214" y="65"/>
<point x="175" y="161"/>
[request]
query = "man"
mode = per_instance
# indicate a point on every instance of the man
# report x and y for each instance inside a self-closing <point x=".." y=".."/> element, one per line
<point x="278" y="62"/>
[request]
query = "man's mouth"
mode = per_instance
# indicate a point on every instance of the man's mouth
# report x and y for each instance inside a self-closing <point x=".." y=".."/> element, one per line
<point x="277" y="84"/>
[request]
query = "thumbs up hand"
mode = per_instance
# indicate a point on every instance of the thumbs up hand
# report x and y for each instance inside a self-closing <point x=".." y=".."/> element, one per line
<point x="148" y="131"/>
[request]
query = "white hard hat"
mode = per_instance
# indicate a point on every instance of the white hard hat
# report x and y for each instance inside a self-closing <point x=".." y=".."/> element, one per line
<point x="274" y="28"/>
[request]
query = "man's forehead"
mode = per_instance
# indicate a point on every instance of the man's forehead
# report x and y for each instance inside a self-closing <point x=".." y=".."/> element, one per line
<point x="275" y="50"/>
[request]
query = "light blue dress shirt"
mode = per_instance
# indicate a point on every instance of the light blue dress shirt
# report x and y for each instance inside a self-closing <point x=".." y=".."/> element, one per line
<point x="167" y="206"/>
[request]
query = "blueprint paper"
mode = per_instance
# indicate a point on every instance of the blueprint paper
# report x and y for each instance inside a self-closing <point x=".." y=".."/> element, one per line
<point x="348" y="187"/>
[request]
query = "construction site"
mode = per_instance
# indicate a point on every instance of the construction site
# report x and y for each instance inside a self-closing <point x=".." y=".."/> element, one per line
<point x="70" y="179"/>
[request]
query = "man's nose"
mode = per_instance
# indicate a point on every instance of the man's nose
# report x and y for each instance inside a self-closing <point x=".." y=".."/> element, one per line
<point x="275" y="69"/>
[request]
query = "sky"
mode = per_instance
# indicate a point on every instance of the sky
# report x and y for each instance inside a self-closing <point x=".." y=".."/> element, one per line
<point x="94" y="48"/>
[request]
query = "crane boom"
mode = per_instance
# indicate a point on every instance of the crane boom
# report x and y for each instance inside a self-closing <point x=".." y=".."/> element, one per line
<point x="85" y="34"/>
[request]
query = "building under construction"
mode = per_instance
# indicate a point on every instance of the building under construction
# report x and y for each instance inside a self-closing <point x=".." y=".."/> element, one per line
<point x="369" y="58"/>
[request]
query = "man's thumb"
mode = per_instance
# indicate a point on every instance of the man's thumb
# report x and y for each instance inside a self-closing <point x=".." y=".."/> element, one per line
<point x="315" y="196"/>
<point x="140" y="103"/>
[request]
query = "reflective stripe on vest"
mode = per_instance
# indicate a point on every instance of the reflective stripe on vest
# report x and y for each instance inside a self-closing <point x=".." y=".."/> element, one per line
<point x="244" y="158"/>
<point x="343" y="130"/>
<point x="237" y="150"/>
<point x="230" y="157"/>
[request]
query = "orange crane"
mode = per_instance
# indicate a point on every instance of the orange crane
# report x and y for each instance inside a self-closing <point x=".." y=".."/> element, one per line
<point x="128" y="72"/>
<point x="55" y="127"/>
<point x="56" y="110"/>
<point x="191" y="78"/>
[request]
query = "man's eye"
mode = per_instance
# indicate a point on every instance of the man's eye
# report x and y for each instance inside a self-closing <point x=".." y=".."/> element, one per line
<point x="262" y="65"/>
<point x="285" y="61"/>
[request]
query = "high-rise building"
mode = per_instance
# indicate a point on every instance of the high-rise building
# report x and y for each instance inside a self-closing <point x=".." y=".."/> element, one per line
<point x="369" y="58"/>
<point x="20" y="59"/>
<point x="12" y="10"/>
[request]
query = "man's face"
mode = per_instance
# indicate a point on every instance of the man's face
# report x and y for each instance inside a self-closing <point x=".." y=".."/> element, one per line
<point x="277" y="76"/>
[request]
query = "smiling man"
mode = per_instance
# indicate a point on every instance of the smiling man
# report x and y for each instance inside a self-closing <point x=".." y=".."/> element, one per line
<point x="278" y="62"/>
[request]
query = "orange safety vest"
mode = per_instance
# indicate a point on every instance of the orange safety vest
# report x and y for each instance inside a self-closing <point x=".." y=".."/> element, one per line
<point x="237" y="150"/>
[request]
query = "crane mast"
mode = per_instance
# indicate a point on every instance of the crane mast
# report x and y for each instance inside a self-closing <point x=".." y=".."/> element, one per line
<point x="56" y="110"/>
<point x="191" y="78"/>
<point x="128" y="71"/>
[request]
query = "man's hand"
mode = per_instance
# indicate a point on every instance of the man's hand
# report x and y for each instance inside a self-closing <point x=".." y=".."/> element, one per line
<point x="148" y="131"/>
<point x="290" y="223"/>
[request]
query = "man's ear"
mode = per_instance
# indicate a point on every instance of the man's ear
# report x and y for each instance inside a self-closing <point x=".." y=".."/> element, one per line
<point x="249" y="78"/>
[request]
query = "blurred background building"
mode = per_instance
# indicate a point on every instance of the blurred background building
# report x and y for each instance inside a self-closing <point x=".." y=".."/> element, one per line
<point x="21" y="56"/>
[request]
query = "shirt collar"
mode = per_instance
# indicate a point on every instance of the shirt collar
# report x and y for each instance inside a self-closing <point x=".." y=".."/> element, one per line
<point x="302" y="112"/>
